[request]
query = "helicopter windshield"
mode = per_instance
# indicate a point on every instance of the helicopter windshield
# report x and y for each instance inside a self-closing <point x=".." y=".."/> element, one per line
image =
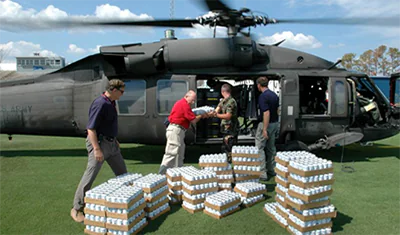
<point x="368" y="89"/>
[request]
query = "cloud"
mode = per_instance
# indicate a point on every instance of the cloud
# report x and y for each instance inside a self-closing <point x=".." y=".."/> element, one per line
<point x="337" y="45"/>
<point x="298" y="41"/>
<point x="95" y="50"/>
<point x="8" y="66"/>
<point x="23" y="48"/>
<point x="74" y="49"/>
<point x="200" y="31"/>
<point x="14" y="17"/>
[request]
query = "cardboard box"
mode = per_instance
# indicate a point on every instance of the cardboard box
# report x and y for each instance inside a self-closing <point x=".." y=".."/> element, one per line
<point x="227" y="172"/>
<point x="273" y="218"/>
<point x="314" y="217"/>
<point x="226" y="181"/>
<point x="87" y="231"/>
<point x="281" y="173"/>
<point x="245" y="155"/>
<point x="93" y="212"/>
<point x="308" y="205"/>
<point x="310" y="184"/>
<point x="100" y="202"/>
<point x="125" y="228"/>
<point x="160" y="214"/>
<point x="197" y="182"/>
<point x="248" y="177"/>
<point x="198" y="191"/>
<point x="311" y="197"/>
<point x="221" y="216"/>
<point x="281" y="182"/>
<point x="309" y="173"/>
<point x="194" y="202"/>
<point x="252" y="204"/>
<point x="174" y="179"/>
<point x="153" y="199"/>
<point x="253" y="194"/>
<point x="282" y="213"/>
<point x="191" y="210"/>
<point x="150" y="209"/>
<point x="248" y="172"/>
<point x="280" y="192"/>
<point x="246" y="163"/>
<point x="221" y="208"/>
<point x="306" y="229"/>
<point x="220" y="164"/>
<point x="126" y="216"/>
<point x="176" y="187"/>
<point x="283" y="203"/>
<point x="124" y="205"/>
<point x="280" y="161"/>
<point x="137" y="231"/>
<point x="157" y="187"/>
<point x="94" y="223"/>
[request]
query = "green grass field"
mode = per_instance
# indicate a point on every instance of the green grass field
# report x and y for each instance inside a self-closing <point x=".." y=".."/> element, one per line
<point x="39" y="176"/>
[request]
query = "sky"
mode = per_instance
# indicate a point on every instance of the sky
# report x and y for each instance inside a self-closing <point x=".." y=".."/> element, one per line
<point x="327" y="41"/>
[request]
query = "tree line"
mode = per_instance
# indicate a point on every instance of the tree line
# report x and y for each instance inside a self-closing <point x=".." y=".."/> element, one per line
<point x="380" y="61"/>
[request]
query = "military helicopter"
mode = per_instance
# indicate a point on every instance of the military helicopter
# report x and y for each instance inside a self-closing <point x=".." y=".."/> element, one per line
<point x="319" y="102"/>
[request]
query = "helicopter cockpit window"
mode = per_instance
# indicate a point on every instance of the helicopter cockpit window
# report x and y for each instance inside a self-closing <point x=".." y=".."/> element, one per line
<point x="133" y="102"/>
<point x="397" y="93"/>
<point x="339" y="103"/>
<point x="168" y="92"/>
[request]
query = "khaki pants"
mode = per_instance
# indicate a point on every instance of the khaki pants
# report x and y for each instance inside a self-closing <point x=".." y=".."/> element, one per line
<point x="175" y="149"/>
<point x="112" y="155"/>
<point x="266" y="148"/>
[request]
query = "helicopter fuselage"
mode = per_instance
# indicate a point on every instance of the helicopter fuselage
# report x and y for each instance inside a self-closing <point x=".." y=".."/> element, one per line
<point x="316" y="99"/>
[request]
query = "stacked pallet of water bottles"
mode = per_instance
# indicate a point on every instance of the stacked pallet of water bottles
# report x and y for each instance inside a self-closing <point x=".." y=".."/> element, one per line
<point x="101" y="215"/>
<point x="247" y="163"/>
<point x="282" y="160"/>
<point x="174" y="181"/>
<point x="125" y="211"/>
<point x="95" y="208"/>
<point x="250" y="192"/>
<point x="222" y="204"/>
<point x="155" y="194"/>
<point x="197" y="184"/>
<point x="218" y="163"/>
<point x="311" y="180"/>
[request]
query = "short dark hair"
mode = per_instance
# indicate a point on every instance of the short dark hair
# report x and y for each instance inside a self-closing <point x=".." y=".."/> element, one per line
<point x="114" y="83"/>
<point x="226" y="88"/>
<point x="263" y="81"/>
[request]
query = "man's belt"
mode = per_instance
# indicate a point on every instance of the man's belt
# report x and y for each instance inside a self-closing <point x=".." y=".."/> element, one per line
<point x="181" y="127"/>
<point x="108" y="138"/>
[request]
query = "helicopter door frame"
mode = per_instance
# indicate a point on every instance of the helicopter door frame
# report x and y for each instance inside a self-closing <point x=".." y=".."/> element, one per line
<point x="338" y="97"/>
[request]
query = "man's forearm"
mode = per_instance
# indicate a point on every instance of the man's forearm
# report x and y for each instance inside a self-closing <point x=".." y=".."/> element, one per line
<point x="265" y="120"/>
<point x="226" y="116"/>
<point x="92" y="134"/>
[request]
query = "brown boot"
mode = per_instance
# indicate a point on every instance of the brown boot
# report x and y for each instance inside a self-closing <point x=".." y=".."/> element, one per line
<point x="77" y="215"/>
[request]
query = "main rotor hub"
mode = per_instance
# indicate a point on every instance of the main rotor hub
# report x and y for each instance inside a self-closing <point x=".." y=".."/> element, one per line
<point x="234" y="20"/>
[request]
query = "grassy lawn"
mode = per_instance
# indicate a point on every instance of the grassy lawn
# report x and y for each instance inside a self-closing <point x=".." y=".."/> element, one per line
<point x="39" y="175"/>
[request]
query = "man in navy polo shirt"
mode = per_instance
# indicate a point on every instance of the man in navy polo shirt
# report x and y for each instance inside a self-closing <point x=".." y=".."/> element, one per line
<point x="267" y="127"/>
<point x="180" y="118"/>
<point x="101" y="143"/>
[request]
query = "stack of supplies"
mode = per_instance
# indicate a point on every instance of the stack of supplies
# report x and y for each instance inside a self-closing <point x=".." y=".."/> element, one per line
<point x="222" y="204"/>
<point x="251" y="192"/>
<point x="155" y="194"/>
<point x="125" y="210"/>
<point x="174" y="181"/>
<point x="197" y="184"/>
<point x="247" y="163"/>
<point x="218" y="163"/>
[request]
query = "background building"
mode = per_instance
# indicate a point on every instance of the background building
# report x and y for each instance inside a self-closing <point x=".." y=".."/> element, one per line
<point x="39" y="63"/>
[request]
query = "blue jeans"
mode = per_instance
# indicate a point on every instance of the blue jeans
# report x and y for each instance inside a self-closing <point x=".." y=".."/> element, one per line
<point x="266" y="148"/>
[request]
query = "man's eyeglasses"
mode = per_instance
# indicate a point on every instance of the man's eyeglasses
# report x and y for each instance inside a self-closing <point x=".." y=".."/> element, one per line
<point x="122" y="91"/>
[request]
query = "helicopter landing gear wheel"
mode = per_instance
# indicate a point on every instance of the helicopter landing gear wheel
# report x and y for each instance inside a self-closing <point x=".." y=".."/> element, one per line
<point x="296" y="145"/>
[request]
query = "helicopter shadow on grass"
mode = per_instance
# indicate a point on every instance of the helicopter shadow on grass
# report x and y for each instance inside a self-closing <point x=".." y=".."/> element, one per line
<point x="357" y="153"/>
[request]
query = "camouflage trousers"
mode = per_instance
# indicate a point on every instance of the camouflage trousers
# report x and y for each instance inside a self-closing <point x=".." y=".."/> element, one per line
<point x="227" y="142"/>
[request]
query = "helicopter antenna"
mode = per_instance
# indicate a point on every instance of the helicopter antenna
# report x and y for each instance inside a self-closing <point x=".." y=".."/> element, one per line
<point x="334" y="65"/>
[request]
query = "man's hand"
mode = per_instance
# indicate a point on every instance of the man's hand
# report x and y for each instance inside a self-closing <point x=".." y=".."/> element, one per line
<point x="98" y="154"/>
<point x="265" y="134"/>
<point x="117" y="143"/>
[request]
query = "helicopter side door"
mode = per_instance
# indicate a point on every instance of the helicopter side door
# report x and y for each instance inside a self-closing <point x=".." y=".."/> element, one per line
<point x="323" y="107"/>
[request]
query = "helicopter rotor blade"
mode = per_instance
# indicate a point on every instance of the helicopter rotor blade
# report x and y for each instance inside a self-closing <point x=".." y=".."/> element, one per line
<point x="216" y="5"/>
<point x="20" y="24"/>
<point x="393" y="21"/>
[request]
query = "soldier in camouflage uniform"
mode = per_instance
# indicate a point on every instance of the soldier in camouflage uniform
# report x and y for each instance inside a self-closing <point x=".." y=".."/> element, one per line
<point x="227" y="111"/>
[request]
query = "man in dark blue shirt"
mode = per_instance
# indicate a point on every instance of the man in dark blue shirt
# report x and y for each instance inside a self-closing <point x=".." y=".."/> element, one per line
<point x="267" y="128"/>
<point x="101" y="143"/>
